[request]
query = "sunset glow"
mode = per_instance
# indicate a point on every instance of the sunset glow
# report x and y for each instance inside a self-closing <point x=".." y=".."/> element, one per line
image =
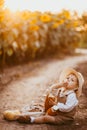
<point x="47" y="5"/>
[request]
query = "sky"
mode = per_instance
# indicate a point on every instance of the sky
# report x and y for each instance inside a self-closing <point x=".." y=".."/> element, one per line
<point x="47" y="5"/>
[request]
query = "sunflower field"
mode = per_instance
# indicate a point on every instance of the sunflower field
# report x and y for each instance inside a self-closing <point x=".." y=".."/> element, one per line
<point x="83" y="30"/>
<point x="26" y="35"/>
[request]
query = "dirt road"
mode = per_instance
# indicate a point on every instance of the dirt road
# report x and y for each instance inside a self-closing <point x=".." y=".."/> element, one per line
<point x="29" y="82"/>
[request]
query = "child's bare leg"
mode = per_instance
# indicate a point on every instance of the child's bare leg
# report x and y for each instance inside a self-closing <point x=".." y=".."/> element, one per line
<point x="44" y="119"/>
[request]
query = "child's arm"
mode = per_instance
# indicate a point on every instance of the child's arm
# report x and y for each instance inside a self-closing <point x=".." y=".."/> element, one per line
<point x="57" y="85"/>
<point x="70" y="104"/>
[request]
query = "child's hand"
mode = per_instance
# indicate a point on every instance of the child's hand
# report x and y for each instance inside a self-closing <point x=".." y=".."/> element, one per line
<point x="55" y="108"/>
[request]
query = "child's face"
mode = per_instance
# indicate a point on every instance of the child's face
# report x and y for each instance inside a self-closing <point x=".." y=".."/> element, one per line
<point x="71" y="81"/>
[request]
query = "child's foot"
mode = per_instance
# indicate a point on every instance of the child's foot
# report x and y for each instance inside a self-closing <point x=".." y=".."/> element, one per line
<point x="24" y="118"/>
<point x="11" y="115"/>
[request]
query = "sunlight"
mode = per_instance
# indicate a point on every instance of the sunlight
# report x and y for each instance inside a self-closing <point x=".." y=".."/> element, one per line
<point x="47" y="5"/>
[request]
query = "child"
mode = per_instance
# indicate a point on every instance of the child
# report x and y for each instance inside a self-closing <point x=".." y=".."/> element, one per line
<point x="60" y="107"/>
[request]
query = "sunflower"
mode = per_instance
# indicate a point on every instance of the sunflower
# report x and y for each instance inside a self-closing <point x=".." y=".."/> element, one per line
<point x="66" y="14"/>
<point x="75" y="23"/>
<point x="25" y="15"/>
<point x="56" y="24"/>
<point x="33" y="21"/>
<point x="35" y="14"/>
<point x="34" y="27"/>
<point x="45" y="18"/>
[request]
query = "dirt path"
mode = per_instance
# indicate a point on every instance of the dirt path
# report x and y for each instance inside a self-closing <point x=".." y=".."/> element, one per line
<point x="29" y="82"/>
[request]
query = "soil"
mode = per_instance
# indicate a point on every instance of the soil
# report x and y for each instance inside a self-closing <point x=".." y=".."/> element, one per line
<point x="22" y="84"/>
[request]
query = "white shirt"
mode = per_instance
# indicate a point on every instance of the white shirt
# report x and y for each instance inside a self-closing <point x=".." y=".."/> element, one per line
<point x="71" y="102"/>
